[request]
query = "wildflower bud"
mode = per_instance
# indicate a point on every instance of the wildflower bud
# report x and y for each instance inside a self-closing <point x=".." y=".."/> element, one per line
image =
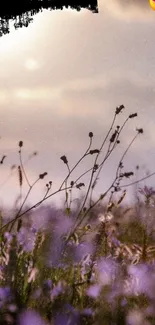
<point x="133" y="115"/>
<point x="20" y="144"/>
<point x="126" y="174"/>
<point x="94" y="151"/>
<point x="112" y="139"/>
<point x="119" y="109"/>
<point x="71" y="183"/>
<point x="139" y="130"/>
<point x="80" y="185"/>
<point x="41" y="176"/>
<point x="90" y="134"/>
<point x="64" y="159"/>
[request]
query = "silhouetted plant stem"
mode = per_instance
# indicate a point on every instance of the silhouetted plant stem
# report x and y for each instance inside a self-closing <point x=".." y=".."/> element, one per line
<point x="93" y="169"/>
<point x="79" y="218"/>
<point x="20" y="209"/>
<point x="32" y="207"/>
<point x="70" y="171"/>
<point x="108" y="153"/>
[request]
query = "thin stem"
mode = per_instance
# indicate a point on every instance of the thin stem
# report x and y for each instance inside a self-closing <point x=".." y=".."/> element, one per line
<point x="136" y="182"/>
<point x="33" y="207"/>
<point x="22" y="166"/>
<point x="88" y="210"/>
<point x="110" y="151"/>
<point x="70" y="171"/>
<point x="125" y="152"/>
<point x="92" y="174"/>
<point x="23" y="203"/>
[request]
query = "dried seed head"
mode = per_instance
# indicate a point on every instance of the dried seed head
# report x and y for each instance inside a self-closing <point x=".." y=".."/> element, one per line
<point x="126" y="174"/>
<point x="140" y="130"/>
<point x="112" y="139"/>
<point x="94" y="151"/>
<point x="119" y="109"/>
<point x="80" y="185"/>
<point x="20" y="144"/>
<point x="90" y="134"/>
<point x="20" y="176"/>
<point x="64" y="159"/>
<point x="133" y="115"/>
<point x="41" y="176"/>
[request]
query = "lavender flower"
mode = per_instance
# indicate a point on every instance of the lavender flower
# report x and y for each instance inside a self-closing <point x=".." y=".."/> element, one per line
<point x="30" y="317"/>
<point x="94" y="291"/>
<point x="26" y="239"/>
<point x="57" y="290"/>
<point x="8" y="236"/>
<point x="107" y="271"/>
<point x="147" y="191"/>
<point x="5" y="295"/>
<point x="141" y="280"/>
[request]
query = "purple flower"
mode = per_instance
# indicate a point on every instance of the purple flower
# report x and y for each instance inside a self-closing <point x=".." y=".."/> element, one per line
<point x="83" y="250"/>
<point x="67" y="319"/>
<point x="61" y="319"/>
<point x="5" y="295"/>
<point x="12" y="308"/>
<point x="94" y="291"/>
<point x="57" y="290"/>
<point x="115" y="241"/>
<point x="87" y="312"/>
<point x="108" y="270"/>
<point x="30" y="317"/>
<point x="33" y="229"/>
<point x="26" y="239"/>
<point x="147" y="191"/>
<point x="8" y="236"/>
<point x="5" y="292"/>
<point x="141" y="280"/>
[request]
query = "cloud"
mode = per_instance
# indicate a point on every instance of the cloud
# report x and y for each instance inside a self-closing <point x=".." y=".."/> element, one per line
<point x="128" y="9"/>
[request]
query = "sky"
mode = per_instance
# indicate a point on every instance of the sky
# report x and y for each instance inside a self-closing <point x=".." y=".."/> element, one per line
<point x="63" y="77"/>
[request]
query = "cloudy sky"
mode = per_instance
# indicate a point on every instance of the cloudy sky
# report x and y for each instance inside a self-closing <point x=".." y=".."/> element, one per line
<point x="62" y="77"/>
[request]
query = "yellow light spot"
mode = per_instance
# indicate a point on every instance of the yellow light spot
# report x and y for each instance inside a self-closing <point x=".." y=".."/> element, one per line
<point x="152" y="4"/>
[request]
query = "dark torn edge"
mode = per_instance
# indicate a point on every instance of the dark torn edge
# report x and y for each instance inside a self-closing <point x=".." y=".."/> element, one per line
<point x="22" y="12"/>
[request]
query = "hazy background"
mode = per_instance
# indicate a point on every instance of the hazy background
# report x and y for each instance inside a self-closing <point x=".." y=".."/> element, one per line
<point x="62" y="77"/>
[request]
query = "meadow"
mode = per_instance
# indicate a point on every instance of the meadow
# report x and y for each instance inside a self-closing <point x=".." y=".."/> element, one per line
<point x="94" y="262"/>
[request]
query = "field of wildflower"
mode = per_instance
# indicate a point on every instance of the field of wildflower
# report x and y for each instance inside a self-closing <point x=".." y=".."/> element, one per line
<point x="94" y="262"/>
